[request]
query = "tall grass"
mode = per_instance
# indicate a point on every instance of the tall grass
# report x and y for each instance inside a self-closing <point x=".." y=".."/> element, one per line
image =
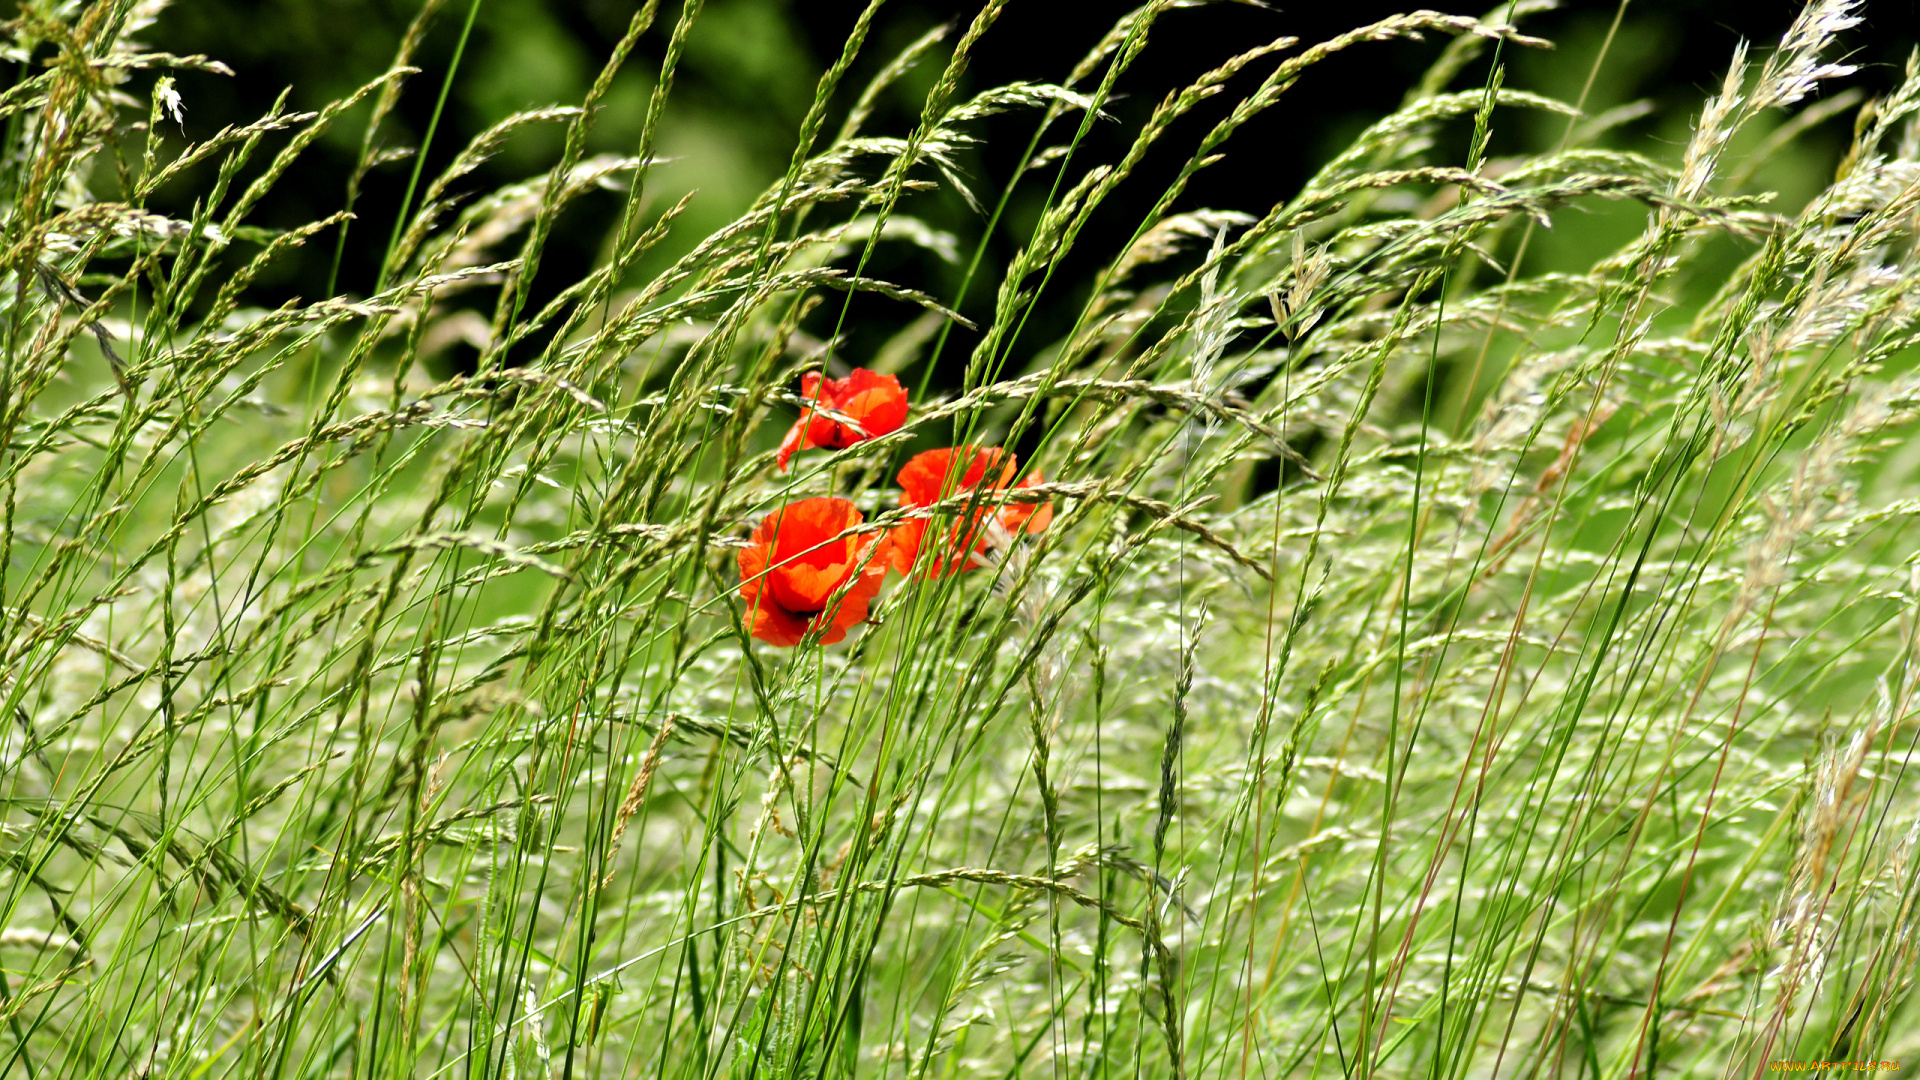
<point x="1432" y="668"/>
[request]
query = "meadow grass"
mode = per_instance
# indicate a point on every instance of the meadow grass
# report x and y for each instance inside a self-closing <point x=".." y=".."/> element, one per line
<point x="1433" y="667"/>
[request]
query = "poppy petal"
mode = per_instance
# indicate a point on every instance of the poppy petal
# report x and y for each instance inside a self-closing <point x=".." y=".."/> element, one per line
<point x="920" y="478"/>
<point x="802" y="572"/>
<point x="795" y="442"/>
<point x="775" y="625"/>
<point x="879" y="411"/>
<point x="903" y="545"/>
<point x="802" y="588"/>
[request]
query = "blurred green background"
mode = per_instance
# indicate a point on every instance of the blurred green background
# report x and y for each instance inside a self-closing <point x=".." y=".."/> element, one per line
<point x="751" y="65"/>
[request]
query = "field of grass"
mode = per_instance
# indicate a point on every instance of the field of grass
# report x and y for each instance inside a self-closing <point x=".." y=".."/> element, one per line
<point x="1415" y="642"/>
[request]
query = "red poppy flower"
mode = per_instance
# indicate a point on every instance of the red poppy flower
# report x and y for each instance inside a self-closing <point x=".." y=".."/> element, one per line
<point x="877" y="403"/>
<point x="792" y="573"/>
<point x="921" y="483"/>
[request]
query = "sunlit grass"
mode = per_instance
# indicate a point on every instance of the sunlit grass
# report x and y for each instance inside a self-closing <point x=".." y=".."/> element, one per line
<point x="1447" y="656"/>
